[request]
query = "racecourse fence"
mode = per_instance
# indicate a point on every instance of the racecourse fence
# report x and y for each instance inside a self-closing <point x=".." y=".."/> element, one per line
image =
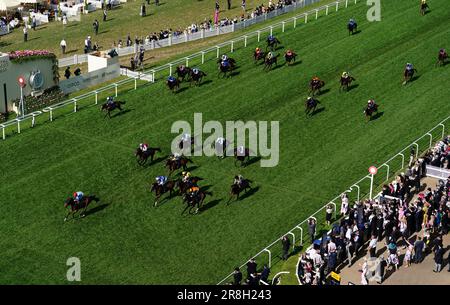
<point x="357" y="191"/>
<point x="202" y="34"/>
<point x="74" y="104"/>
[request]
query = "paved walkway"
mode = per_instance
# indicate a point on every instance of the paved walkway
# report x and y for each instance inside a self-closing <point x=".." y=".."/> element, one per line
<point x="416" y="274"/>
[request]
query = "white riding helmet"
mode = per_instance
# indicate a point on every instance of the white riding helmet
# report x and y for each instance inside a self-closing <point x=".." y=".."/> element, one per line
<point x="224" y="57"/>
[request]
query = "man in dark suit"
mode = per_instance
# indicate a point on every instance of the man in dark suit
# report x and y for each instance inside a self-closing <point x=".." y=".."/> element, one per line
<point x="419" y="245"/>
<point x="286" y="243"/>
<point x="229" y="4"/>
<point x="237" y="276"/>
<point x="251" y="267"/>
<point x="264" y="276"/>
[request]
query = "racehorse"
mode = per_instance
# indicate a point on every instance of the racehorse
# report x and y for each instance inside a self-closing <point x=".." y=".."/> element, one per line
<point x="259" y="56"/>
<point x="173" y="85"/>
<point x="226" y="69"/>
<point x="423" y="8"/>
<point x="272" y="44"/>
<point x="183" y="187"/>
<point x="442" y="57"/>
<point x="290" y="58"/>
<point x="352" y="28"/>
<point x="182" y="73"/>
<point x="143" y="156"/>
<point x="237" y="189"/>
<point x="196" y="200"/>
<point x="315" y="85"/>
<point x="74" y="207"/>
<point x="220" y="148"/>
<point x="408" y="75"/>
<point x="240" y="157"/>
<point x="159" y="190"/>
<point x="311" y="105"/>
<point x="346" y="82"/>
<point x="108" y="107"/>
<point x="196" y="79"/>
<point x="268" y="63"/>
<point x="369" y="111"/>
<point x="173" y="165"/>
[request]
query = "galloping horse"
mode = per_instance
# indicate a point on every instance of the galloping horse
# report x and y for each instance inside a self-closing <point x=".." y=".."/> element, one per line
<point x="227" y="67"/>
<point x="173" y="84"/>
<point x="346" y="82"/>
<point x="195" y="200"/>
<point x="268" y="62"/>
<point x="169" y="186"/>
<point x="196" y="78"/>
<point x="311" y="105"/>
<point x="442" y="57"/>
<point x="408" y="75"/>
<point x="182" y="71"/>
<point x="241" y="158"/>
<point x="352" y="27"/>
<point x="74" y="207"/>
<point x="183" y="187"/>
<point x="315" y="85"/>
<point x="173" y="165"/>
<point x="237" y="189"/>
<point x="272" y="43"/>
<point x="369" y="111"/>
<point x="109" y="107"/>
<point x="290" y="57"/>
<point x="144" y="155"/>
<point x="423" y="7"/>
<point x="259" y="55"/>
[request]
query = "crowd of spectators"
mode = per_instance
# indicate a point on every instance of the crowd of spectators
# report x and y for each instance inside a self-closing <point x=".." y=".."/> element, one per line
<point x="439" y="155"/>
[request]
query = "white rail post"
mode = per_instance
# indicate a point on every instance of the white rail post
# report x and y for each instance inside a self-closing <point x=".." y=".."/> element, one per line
<point x="115" y="85"/>
<point x="301" y="235"/>
<point x="335" y="209"/>
<point x="387" y="175"/>
<point x="346" y="3"/>
<point x="170" y="69"/>
<point x="74" y="105"/>
<point x="355" y="1"/>
<point x="18" y="126"/>
<point x="218" y="51"/>
<point x="271" y="30"/>
<point x="187" y="61"/>
<point x="96" y="97"/>
<point x="417" y="149"/>
<point x="51" y="114"/>
<point x="337" y="6"/>
<point x="3" y="131"/>
<point x="357" y="186"/>
<point x="293" y="240"/>
<point x="259" y="35"/>
<point x="282" y="26"/>
<point x="295" y="22"/>
<point x="245" y="41"/>
<point x="443" y="130"/>
<point x="306" y="17"/>
<point x="431" y="139"/>
<point x="232" y="46"/>
<point x="270" y="257"/>
<point x="153" y="44"/>
<point x="170" y="39"/>
<point x="326" y="10"/>
<point x="403" y="159"/>
<point x="153" y="76"/>
<point x="135" y="82"/>
<point x="203" y="57"/>
<point x="317" y="14"/>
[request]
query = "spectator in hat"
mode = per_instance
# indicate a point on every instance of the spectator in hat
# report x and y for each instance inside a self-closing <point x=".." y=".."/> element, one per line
<point x="237" y="276"/>
<point x="286" y="244"/>
<point x="251" y="267"/>
<point x="312" y="228"/>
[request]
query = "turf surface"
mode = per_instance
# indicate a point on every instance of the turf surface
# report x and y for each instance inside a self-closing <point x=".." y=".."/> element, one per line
<point x="125" y="240"/>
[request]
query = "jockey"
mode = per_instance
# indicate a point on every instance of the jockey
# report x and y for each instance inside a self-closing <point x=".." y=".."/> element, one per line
<point x="270" y="38"/>
<point x="352" y="22"/>
<point x="442" y="52"/>
<point x="289" y="52"/>
<point x="195" y="71"/>
<point x="161" y="180"/>
<point x="109" y="100"/>
<point x="345" y="75"/>
<point x="143" y="147"/>
<point x="241" y="150"/>
<point x="315" y="80"/>
<point x="224" y="57"/>
<point x="186" y="176"/>
<point x="238" y="180"/>
<point x="78" y="196"/>
<point x="370" y="104"/>
<point x="220" y="140"/>
<point x="258" y="51"/>
<point x="269" y="55"/>
<point x="193" y="191"/>
<point x="181" y="67"/>
<point x="409" y="67"/>
<point x="186" y="137"/>
<point x="171" y="79"/>
<point x="176" y="157"/>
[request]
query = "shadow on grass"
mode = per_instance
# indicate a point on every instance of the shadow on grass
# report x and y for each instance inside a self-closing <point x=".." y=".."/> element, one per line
<point x="97" y="209"/>
<point x="252" y="161"/>
<point x="297" y="62"/>
<point x="249" y="193"/>
<point x="210" y="205"/>
<point x="121" y="113"/>
<point x="377" y="116"/>
<point x="317" y="111"/>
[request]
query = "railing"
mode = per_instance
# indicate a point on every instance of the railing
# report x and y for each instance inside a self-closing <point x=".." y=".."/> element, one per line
<point x="438" y="173"/>
<point x="437" y="132"/>
<point x="199" y="57"/>
<point x="219" y="30"/>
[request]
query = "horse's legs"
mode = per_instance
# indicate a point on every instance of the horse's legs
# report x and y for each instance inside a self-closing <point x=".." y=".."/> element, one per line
<point x="65" y="218"/>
